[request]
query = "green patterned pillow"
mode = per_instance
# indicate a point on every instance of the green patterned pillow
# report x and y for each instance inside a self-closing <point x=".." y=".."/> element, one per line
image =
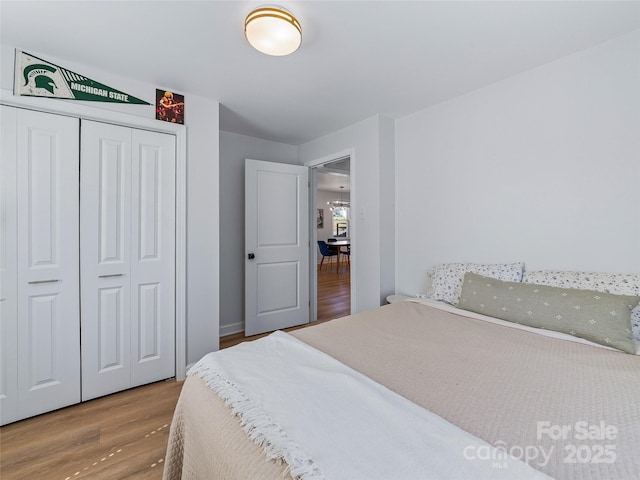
<point x="600" y="317"/>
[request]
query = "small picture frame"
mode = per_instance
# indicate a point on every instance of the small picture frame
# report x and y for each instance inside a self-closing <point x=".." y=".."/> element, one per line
<point x="320" y="218"/>
<point x="169" y="106"/>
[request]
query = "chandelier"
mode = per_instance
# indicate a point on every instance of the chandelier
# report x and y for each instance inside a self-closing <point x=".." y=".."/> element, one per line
<point x="339" y="204"/>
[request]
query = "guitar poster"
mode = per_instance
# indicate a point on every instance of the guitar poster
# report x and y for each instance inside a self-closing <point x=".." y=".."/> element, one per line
<point x="169" y="107"/>
<point x="35" y="77"/>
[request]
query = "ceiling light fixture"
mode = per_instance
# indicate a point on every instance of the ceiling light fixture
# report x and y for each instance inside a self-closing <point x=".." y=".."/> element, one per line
<point x="339" y="204"/>
<point x="273" y="30"/>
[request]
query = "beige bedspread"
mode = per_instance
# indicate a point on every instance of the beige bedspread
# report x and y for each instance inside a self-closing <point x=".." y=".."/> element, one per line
<point x="514" y="389"/>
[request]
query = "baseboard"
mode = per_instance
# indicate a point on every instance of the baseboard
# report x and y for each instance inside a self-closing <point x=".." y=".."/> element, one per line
<point x="231" y="329"/>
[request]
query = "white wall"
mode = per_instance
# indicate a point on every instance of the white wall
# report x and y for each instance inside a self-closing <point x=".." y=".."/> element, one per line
<point x="201" y="118"/>
<point x="322" y="197"/>
<point x="386" y="144"/>
<point x="368" y="140"/>
<point x="203" y="226"/>
<point x="543" y="167"/>
<point x="234" y="149"/>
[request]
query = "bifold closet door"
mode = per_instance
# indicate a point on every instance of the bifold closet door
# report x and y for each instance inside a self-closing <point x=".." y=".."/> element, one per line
<point x="153" y="256"/>
<point x="40" y="299"/>
<point x="127" y="250"/>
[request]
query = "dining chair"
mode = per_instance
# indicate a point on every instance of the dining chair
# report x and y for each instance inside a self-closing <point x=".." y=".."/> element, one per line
<point x="347" y="252"/>
<point x="327" y="252"/>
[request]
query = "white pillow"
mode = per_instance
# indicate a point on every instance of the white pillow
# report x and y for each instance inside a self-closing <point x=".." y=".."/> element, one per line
<point x="616" y="283"/>
<point x="446" y="279"/>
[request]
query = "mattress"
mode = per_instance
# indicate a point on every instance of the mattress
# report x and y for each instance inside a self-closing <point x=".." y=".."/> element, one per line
<point x="571" y="410"/>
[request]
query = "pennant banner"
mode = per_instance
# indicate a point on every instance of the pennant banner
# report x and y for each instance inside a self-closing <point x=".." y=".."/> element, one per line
<point x="38" y="78"/>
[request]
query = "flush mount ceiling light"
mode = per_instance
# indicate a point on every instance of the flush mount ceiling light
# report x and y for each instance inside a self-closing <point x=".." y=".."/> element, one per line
<point x="273" y="30"/>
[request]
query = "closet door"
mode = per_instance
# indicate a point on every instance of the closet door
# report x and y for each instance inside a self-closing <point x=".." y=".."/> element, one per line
<point x="153" y="231"/>
<point x="128" y="258"/>
<point x="8" y="269"/>
<point x="105" y="219"/>
<point x="46" y="253"/>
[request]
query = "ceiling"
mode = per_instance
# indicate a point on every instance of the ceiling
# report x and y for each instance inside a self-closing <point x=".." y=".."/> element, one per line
<point x="334" y="176"/>
<point x="357" y="58"/>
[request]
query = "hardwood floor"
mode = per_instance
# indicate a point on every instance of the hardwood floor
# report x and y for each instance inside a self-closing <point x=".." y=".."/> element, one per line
<point x="120" y="436"/>
<point x="334" y="301"/>
<point x="334" y="293"/>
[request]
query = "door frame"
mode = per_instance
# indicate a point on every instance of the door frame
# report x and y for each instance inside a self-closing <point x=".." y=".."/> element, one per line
<point x="313" y="231"/>
<point x="84" y="112"/>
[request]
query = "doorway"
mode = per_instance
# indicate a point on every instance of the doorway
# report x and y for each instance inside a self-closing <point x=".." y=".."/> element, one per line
<point x="332" y="192"/>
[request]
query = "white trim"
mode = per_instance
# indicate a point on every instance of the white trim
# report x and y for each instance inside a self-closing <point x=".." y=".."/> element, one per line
<point x="330" y="158"/>
<point x="353" y="230"/>
<point x="68" y="107"/>
<point x="313" y="241"/>
<point x="313" y="237"/>
<point x="181" y="254"/>
<point x="237" y="327"/>
<point x="78" y="110"/>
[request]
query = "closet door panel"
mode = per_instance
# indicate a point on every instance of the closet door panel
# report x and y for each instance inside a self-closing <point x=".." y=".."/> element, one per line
<point x="112" y="199"/>
<point x="153" y="257"/>
<point x="47" y="257"/>
<point x="8" y="269"/>
<point x="105" y="219"/>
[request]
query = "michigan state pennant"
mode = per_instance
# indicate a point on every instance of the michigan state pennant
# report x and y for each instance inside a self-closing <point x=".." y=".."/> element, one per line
<point x="35" y="77"/>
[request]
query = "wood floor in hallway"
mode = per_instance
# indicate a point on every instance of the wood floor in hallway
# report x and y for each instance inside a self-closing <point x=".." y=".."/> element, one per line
<point x="334" y="293"/>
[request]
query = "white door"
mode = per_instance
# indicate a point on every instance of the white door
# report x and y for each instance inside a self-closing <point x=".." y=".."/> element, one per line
<point x="105" y="232"/>
<point x="127" y="249"/>
<point x="277" y="246"/>
<point x="44" y="166"/>
<point x="153" y="258"/>
<point x="8" y="268"/>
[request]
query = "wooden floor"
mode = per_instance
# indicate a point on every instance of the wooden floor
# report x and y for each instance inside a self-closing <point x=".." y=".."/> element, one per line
<point x="334" y="292"/>
<point x="334" y="301"/>
<point x="121" y="436"/>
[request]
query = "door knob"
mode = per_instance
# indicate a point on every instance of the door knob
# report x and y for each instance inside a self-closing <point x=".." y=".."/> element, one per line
<point x="251" y="256"/>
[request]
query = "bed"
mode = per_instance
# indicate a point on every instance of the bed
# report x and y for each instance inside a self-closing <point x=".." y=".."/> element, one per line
<point x="521" y="401"/>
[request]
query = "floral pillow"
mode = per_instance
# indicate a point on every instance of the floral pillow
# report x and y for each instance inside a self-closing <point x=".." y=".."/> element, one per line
<point x="616" y="283"/>
<point x="446" y="279"/>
